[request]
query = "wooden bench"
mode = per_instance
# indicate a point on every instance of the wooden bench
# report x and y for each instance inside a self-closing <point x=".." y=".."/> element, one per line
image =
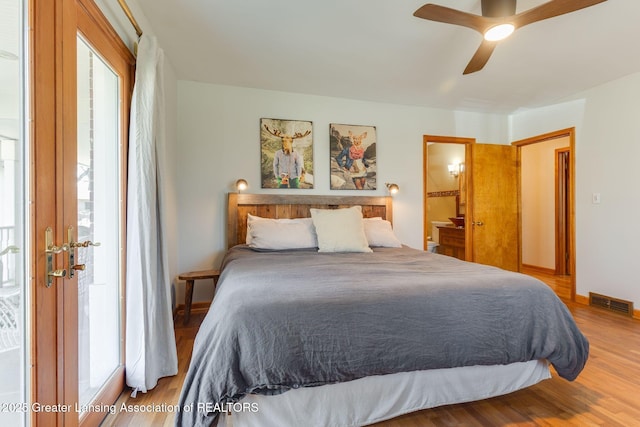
<point x="190" y="278"/>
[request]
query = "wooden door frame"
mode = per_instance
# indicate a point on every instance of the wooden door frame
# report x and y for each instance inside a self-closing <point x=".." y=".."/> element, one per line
<point x="425" y="196"/>
<point x="561" y="197"/>
<point x="570" y="133"/>
<point x="52" y="31"/>
<point x="54" y="25"/>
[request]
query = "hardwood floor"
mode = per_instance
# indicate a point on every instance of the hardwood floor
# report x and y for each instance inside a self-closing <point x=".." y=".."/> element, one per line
<point x="560" y="284"/>
<point x="607" y="392"/>
<point x="168" y="389"/>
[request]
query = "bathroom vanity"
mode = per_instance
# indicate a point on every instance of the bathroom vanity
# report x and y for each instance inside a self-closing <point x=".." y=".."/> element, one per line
<point x="451" y="242"/>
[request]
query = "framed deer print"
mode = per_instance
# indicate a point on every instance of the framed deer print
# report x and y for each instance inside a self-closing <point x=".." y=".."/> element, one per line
<point x="286" y="153"/>
<point x="353" y="157"/>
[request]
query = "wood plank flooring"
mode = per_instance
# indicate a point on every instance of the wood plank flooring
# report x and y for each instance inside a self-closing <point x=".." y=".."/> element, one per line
<point x="561" y="285"/>
<point x="168" y="389"/>
<point x="607" y="393"/>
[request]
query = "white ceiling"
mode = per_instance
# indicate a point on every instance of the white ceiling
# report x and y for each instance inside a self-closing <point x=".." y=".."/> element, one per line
<point x="377" y="50"/>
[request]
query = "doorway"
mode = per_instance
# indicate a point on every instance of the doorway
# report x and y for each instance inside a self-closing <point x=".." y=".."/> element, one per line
<point x="486" y="195"/>
<point x="547" y="199"/>
<point x="444" y="188"/>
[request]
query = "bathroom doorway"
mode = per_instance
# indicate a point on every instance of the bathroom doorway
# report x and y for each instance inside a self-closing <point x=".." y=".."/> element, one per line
<point x="481" y="225"/>
<point x="444" y="187"/>
<point x="547" y="205"/>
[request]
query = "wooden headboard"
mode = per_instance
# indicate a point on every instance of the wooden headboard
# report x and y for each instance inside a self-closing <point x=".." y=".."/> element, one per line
<point x="294" y="206"/>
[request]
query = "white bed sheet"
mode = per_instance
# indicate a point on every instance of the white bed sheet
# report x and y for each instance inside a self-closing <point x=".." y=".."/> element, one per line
<point x="372" y="399"/>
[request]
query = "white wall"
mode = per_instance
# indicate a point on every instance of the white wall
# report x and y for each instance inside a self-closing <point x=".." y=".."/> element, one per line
<point x="213" y="139"/>
<point x="170" y="169"/>
<point x="219" y="142"/>
<point x="607" y="122"/>
<point x="218" y="133"/>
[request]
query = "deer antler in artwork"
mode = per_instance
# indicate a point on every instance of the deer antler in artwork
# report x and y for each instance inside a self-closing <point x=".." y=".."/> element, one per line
<point x="274" y="132"/>
<point x="284" y="136"/>
<point x="301" y="135"/>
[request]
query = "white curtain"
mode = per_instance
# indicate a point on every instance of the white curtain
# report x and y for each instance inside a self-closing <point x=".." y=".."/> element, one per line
<point x="150" y="341"/>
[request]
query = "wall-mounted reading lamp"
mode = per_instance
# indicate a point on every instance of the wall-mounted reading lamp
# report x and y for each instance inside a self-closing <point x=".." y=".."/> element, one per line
<point x="393" y="188"/>
<point x="241" y="185"/>
<point x="455" y="169"/>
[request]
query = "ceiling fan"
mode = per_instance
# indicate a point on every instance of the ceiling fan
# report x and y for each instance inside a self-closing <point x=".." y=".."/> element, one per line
<point x="498" y="21"/>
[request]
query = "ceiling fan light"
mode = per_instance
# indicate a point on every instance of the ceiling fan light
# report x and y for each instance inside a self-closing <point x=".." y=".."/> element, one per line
<point x="499" y="32"/>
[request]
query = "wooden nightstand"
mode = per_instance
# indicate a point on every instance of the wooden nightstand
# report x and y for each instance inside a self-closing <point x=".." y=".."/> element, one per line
<point x="190" y="277"/>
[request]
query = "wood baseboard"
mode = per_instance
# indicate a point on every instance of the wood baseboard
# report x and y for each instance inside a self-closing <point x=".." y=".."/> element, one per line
<point x="542" y="270"/>
<point x="581" y="299"/>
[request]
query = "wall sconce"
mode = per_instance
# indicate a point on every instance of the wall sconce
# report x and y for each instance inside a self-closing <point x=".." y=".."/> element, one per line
<point x="393" y="188"/>
<point x="241" y="185"/>
<point x="455" y="169"/>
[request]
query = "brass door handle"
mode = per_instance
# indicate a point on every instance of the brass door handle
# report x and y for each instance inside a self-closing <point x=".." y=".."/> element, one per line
<point x="478" y="223"/>
<point x="58" y="273"/>
<point x="73" y="267"/>
<point x="84" y="244"/>
<point x="50" y="250"/>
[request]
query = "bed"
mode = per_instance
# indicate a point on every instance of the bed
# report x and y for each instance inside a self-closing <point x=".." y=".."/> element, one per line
<point x="339" y="335"/>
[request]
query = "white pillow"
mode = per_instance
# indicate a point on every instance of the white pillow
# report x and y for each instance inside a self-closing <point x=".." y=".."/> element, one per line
<point x="380" y="233"/>
<point x="340" y="230"/>
<point x="280" y="234"/>
<point x="251" y="219"/>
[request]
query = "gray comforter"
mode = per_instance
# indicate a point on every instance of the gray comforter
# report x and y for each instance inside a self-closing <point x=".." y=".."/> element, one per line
<point x="289" y="319"/>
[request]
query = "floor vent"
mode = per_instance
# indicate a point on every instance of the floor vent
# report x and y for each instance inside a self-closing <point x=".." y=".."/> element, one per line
<point x="611" y="304"/>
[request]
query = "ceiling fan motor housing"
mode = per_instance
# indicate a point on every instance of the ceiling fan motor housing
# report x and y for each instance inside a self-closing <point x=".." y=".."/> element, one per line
<point x="498" y="8"/>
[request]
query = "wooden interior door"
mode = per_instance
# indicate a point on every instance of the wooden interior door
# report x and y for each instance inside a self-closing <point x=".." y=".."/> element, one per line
<point x="492" y="234"/>
<point x="69" y="200"/>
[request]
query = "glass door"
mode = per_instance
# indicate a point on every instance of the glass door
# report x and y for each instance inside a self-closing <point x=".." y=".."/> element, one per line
<point x="99" y="225"/>
<point x="13" y="286"/>
<point x="82" y="82"/>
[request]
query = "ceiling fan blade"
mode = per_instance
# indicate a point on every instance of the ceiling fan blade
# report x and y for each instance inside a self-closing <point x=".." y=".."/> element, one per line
<point x="550" y="10"/>
<point x="434" y="12"/>
<point x="481" y="57"/>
